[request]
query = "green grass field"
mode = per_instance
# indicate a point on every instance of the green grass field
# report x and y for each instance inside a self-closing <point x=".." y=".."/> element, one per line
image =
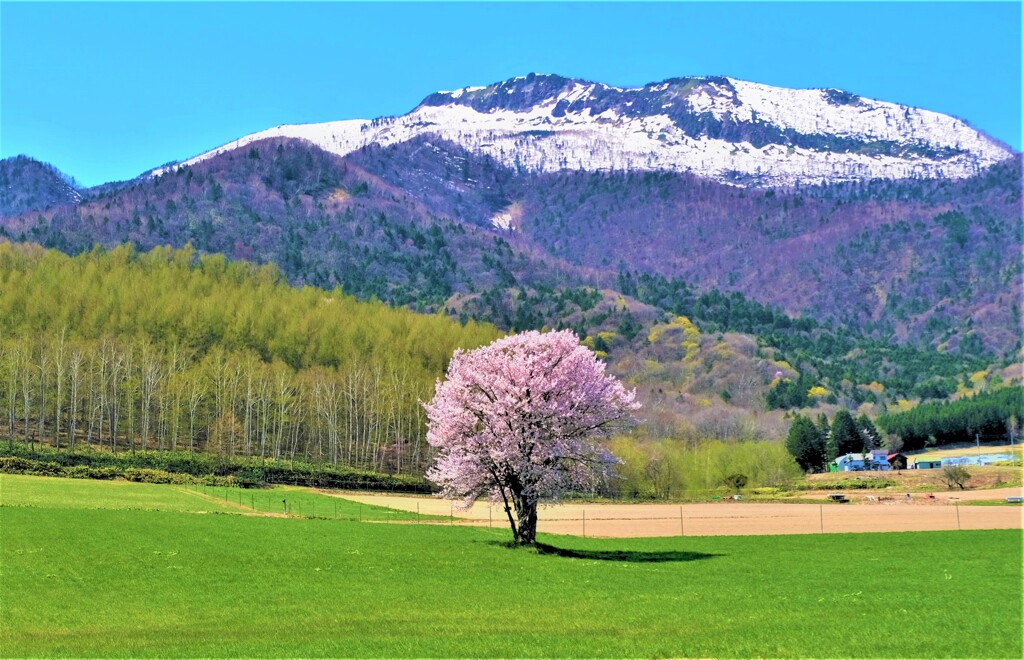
<point x="82" y="577"/>
<point x="20" y="490"/>
<point x="23" y="491"/>
<point x="299" y="501"/>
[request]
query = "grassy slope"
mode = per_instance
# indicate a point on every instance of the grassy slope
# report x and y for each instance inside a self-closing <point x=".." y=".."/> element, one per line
<point x="95" y="582"/>
<point x="982" y="477"/>
<point x="23" y="490"/>
<point x="302" y="501"/>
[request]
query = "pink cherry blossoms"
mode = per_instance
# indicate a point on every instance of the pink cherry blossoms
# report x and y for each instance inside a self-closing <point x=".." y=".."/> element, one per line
<point x="513" y="420"/>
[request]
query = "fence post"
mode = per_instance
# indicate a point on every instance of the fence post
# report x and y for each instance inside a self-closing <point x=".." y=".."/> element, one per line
<point x="821" y="515"/>
<point x="490" y="515"/>
<point x="584" y="523"/>
<point x="682" y="530"/>
<point x="451" y="514"/>
<point x="417" y="513"/>
<point x="958" y="516"/>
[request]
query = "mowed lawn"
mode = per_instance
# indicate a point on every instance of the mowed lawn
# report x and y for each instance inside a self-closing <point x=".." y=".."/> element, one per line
<point x="152" y="581"/>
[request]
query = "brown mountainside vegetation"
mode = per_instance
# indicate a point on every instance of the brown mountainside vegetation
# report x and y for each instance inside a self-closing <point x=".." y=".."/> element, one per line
<point x="410" y="225"/>
<point x="27" y="185"/>
<point x="931" y="263"/>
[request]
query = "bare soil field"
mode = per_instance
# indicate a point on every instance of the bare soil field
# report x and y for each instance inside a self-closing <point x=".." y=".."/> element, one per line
<point x="919" y="513"/>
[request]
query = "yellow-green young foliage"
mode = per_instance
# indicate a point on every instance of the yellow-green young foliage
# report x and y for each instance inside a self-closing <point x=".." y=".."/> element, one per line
<point x="168" y="349"/>
<point x="674" y="469"/>
<point x="204" y="301"/>
<point x="680" y="329"/>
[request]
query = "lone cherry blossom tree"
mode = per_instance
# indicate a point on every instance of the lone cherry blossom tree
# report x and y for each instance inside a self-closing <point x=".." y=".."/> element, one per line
<point x="513" y="422"/>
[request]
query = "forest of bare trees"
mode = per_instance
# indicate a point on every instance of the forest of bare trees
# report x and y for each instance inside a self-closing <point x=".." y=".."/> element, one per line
<point x="129" y="395"/>
<point x="327" y="380"/>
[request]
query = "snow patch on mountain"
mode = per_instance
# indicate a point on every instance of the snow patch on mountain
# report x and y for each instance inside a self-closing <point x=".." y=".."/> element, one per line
<point x="561" y="130"/>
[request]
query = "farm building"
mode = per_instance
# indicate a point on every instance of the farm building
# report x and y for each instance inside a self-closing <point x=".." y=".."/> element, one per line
<point x="859" y="462"/>
<point x="984" y="459"/>
<point x="896" y="461"/>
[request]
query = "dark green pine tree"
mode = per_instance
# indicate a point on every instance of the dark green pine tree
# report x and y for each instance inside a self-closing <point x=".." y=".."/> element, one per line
<point x="869" y="434"/>
<point x="829" y="447"/>
<point x="844" y="434"/>
<point x="806" y="444"/>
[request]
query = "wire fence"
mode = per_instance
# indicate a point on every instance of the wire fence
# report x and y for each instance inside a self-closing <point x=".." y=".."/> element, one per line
<point x="765" y="519"/>
<point x="636" y="520"/>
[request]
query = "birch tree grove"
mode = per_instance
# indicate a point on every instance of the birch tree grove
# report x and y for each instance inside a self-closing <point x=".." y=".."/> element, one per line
<point x="169" y="351"/>
<point x="233" y="404"/>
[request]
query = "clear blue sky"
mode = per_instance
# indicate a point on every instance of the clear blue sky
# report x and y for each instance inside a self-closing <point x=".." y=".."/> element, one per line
<point x="106" y="91"/>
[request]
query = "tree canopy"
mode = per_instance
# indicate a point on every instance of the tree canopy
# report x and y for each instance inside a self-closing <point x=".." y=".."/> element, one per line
<point x="513" y="420"/>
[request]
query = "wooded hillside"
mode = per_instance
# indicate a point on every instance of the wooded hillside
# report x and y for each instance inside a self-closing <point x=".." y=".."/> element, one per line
<point x="171" y="350"/>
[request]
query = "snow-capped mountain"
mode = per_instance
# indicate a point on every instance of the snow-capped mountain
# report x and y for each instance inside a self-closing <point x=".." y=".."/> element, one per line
<point x="728" y="130"/>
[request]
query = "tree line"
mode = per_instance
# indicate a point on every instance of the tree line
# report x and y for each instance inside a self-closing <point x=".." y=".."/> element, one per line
<point x="816" y="443"/>
<point x="667" y="468"/>
<point x="989" y="413"/>
<point x="168" y="350"/>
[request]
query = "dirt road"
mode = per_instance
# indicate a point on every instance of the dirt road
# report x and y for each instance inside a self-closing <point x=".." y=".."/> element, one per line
<point x="737" y="518"/>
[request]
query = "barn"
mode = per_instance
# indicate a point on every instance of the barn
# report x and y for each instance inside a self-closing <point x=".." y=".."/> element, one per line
<point x="896" y="461"/>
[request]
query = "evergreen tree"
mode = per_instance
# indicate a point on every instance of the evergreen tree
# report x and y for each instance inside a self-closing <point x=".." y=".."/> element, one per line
<point x="806" y="444"/>
<point x="845" y="437"/>
<point x="824" y="428"/>
<point x="869" y="434"/>
<point x="827" y="439"/>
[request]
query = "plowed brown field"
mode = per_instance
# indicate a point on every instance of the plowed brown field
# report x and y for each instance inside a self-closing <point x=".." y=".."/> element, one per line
<point x="920" y="513"/>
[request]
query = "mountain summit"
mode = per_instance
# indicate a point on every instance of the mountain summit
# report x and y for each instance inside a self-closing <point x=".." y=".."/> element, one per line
<point x="729" y="130"/>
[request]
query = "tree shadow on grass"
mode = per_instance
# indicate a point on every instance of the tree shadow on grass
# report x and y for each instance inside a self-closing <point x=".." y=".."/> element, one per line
<point x="639" y="556"/>
<point x="624" y="555"/>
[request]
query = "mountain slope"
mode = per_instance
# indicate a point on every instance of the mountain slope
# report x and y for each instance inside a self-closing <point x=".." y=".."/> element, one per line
<point x="728" y="130"/>
<point x="29" y="185"/>
<point x="927" y="262"/>
<point x="924" y="262"/>
<point x="324" y="220"/>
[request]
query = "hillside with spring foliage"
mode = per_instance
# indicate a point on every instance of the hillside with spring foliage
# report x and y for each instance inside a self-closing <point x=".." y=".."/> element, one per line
<point x="173" y="350"/>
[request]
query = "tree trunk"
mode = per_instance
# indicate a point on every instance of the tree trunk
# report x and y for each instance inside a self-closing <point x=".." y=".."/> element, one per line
<point x="525" y="532"/>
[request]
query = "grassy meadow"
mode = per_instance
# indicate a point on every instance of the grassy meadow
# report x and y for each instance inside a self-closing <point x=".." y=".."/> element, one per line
<point x="114" y="569"/>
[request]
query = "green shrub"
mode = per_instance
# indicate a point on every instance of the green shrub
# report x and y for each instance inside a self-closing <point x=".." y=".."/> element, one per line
<point x="17" y="465"/>
<point x="145" y="475"/>
<point x="86" y="472"/>
<point x="247" y="473"/>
